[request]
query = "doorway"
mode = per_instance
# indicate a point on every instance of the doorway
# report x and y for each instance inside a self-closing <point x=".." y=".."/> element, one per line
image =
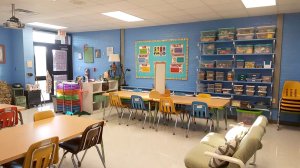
<point x="57" y="60"/>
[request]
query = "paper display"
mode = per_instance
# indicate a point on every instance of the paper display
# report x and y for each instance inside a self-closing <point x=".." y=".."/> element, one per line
<point x="59" y="60"/>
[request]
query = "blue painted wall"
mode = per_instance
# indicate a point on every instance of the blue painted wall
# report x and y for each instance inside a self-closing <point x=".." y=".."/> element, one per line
<point x="18" y="56"/>
<point x="290" y="54"/>
<point x="189" y="30"/>
<point x="6" y="69"/>
<point x="28" y="54"/>
<point x="98" y="40"/>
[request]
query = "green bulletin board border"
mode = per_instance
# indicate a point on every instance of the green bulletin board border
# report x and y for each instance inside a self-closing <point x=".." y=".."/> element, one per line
<point x="152" y="64"/>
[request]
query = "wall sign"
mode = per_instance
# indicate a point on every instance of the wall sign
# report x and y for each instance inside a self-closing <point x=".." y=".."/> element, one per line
<point x="2" y="54"/>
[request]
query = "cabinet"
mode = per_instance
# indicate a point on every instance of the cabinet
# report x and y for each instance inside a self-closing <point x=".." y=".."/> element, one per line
<point x="91" y="93"/>
<point x="18" y="97"/>
<point x="33" y="97"/>
<point x="242" y="73"/>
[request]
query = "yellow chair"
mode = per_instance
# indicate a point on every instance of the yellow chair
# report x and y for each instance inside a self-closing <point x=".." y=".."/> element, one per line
<point x="204" y="95"/>
<point x="41" y="154"/>
<point x="41" y="115"/>
<point x="115" y="102"/>
<point x="167" y="107"/>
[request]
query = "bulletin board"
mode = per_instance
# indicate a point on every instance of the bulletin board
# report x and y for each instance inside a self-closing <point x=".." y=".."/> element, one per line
<point x="174" y="52"/>
<point x="88" y="55"/>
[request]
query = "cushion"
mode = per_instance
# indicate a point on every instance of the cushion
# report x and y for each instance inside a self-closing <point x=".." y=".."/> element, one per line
<point x="236" y="132"/>
<point x="213" y="139"/>
<point x="195" y="158"/>
<point x="228" y="150"/>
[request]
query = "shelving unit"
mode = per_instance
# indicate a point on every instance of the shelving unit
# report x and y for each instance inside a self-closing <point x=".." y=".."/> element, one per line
<point x="237" y="71"/>
<point x="93" y="89"/>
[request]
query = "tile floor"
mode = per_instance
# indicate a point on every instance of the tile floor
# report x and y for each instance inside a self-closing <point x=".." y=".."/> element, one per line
<point x="134" y="147"/>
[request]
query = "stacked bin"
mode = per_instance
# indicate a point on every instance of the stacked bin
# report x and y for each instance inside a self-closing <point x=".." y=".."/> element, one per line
<point x="226" y="33"/>
<point x="265" y="32"/>
<point x="245" y="33"/>
<point x="208" y="36"/>
<point x="68" y="97"/>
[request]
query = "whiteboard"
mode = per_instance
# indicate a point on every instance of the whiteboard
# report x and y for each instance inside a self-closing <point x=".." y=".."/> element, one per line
<point x="160" y="77"/>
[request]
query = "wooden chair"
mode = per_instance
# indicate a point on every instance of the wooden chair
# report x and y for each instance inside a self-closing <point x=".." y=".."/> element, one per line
<point x="42" y="154"/>
<point x="115" y="102"/>
<point x="8" y="117"/>
<point x="167" y="107"/>
<point x="91" y="137"/>
<point x="41" y="115"/>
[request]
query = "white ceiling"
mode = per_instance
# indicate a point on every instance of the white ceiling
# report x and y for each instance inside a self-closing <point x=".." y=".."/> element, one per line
<point x="85" y="15"/>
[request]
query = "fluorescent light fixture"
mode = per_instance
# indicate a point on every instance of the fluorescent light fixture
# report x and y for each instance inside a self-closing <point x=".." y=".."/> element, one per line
<point x="123" y="16"/>
<point x="45" y="25"/>
<point x="258" y="3"/>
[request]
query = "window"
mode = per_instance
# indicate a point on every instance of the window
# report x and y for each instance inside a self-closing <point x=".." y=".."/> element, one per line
<point x="44" y="37"/>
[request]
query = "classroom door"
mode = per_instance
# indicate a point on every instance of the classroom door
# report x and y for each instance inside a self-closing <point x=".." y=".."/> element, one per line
<point x="57" y="60"/>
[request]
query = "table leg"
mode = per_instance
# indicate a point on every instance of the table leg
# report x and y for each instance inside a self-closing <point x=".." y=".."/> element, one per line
<point x="20" y="117"/>
<point x="216" y="112"/>
<point x="226" y="110"/>
<point x="155" y="113"/>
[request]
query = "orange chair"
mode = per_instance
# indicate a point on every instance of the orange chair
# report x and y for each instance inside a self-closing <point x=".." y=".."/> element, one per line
<point x="8" y="117"/>
<point x="41" y="154"/>
<point x="167" y="107"/>
<point x="115" y="102"/>
<point x="290" y="99"/>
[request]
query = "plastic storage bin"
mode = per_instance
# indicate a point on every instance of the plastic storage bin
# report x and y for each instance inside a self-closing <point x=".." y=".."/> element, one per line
<point x="267" y="64"/>
<point x="250" y="92"/>
<point x="238" y="87"/>
<point x="245" y="30"/>
<point x="226" y="31"/>
<point x="253" y="80"/>
<point x="226" y="37"/>
<point x="218" y="90"/>
<point x="244" y="49"/>
<point x="219" y="78"/>
<point x="253" y="75"/>
<point x="226" y="90"/>
<point x="268" y="35"/>
<point x="262" y="88"/>
<point x="249" y="36"/>
<point x="210" y="75"/>
<point x="238" y="92"/>
<point x="247" y="116"/>
<point x="227" y="50"/>
<point x="249" y="64"/>
<point x="263" y="29"/>
<point x="210" y="86"/>
<point x="210" y="90"/>
<point x="262" y="93"/>
<point x="202" y="75"/>
<point x="230" y="76"/>
<point x="218" y="85"/>
<point x="266" y="78"/>
<point x="240" y="63"/>
<point x="210" y="33"/>
<point x="224" y="64"/>
<point x="250" y="87"/>
<point x="242" y="77"/>
<point x="209" y="49"/>
<point x="263" y="49"/>
<point x="207" y="64"/>
<point x="208" y="39"/>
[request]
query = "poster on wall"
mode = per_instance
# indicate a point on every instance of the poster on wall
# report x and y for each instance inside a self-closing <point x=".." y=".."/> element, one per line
<point x="59" y="60"/>
<point x="88" y="55"/>
<point x="172" y="51"/>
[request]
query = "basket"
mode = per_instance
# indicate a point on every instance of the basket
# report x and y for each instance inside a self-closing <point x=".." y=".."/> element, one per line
<point x="247" y="116"/>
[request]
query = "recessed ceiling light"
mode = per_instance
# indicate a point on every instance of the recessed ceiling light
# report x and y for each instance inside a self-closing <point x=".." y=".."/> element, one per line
<point x="258" y="3"/>
<point x="123" y="16"/>
<point x="45" y="25"/>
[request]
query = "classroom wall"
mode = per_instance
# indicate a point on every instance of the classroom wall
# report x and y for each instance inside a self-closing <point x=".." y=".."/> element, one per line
<point x="98" y="40"/>
<point x="6" y="69"/>
<point x="18" y="56"/>
<point x="188" y="30"/>
<point x="290" y="55"/>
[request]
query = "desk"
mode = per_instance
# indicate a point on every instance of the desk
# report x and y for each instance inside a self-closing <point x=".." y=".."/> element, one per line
<point x="15" y="141"/>
<point x="19" y="108"/>
<point x="214" y="103"/>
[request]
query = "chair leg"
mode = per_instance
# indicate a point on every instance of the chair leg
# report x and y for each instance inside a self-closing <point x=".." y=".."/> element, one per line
<point x="188" y="127"/>
<point x="122" y="113"/>
<point x="157" y="122"/>
<point x="102" y="157"/>
<point x="73" y="161"/>
<point x="175" y="124"/>
<point x="206" y="126"/>
<point x="129" y="117"/>
<point x="278" y="119"/>
<point x="80" y="161"/>
<point x="146" y="114"/>
<point x="109" y="113"/>
<point x="62" y="158"/>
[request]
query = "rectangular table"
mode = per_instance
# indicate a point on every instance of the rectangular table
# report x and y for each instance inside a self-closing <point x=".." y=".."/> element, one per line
<point x="19" y="108"/>
<point x="214" y="103"/>
<point x="15" y="141"/>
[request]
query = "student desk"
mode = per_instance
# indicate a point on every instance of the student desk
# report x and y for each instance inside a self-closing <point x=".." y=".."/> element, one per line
<point x="19" y="108"/>
<point x="214" y="103"/>
<point x="15" y="141"/>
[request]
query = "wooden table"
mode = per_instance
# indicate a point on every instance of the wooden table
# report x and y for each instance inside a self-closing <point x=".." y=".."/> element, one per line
<point x="214" y="103"/>
<point x="19" y="108"/>
<point x="15" y="141"/>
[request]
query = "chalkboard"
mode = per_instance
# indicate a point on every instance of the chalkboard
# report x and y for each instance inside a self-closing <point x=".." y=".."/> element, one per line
<point x="174" y="52"/>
